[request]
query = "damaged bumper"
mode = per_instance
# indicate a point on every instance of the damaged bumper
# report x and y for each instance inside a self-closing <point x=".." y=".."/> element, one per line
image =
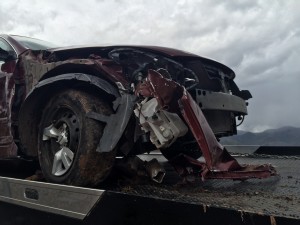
<point x="209" y="100"/>
<point x="170" y="96"/>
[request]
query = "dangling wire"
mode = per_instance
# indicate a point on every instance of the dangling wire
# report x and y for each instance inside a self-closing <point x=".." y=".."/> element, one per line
<point x="241" y="121"/>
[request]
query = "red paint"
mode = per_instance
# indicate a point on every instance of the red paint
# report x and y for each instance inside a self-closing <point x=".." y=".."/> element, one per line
<point x="219" y="164"/>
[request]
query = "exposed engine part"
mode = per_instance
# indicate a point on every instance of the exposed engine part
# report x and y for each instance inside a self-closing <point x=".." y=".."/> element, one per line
<point x="164" y="127"/>
<point x="133" y="166"/>
<point x="155" y="171"/>
<point x="220" y="110"/>
<point x="210" y="100"/>
<point x="143" y="61"/>
<point x="219" y="164"/>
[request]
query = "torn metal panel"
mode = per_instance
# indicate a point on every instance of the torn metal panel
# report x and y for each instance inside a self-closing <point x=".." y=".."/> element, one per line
<point x="212" y="150"/>
<point x="166" y="91"/>
<point x="7" y="146"/>
<point x="218" y="162"/>
<point x="115" y="123"/>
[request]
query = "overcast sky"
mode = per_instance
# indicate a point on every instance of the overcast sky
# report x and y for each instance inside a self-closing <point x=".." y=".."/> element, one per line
<point x="259" y="40"/>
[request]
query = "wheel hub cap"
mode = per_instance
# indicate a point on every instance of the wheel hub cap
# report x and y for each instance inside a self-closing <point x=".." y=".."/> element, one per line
<point x="63" y="158"/>
<point x="62" y="161"/>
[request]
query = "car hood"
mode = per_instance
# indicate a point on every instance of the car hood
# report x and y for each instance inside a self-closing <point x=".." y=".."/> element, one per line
<point x="168" y="52"/>
<point x="163" y="50"/>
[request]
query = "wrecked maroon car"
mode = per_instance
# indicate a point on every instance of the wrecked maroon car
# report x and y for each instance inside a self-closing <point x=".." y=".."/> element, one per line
<point x="75" y="109"/>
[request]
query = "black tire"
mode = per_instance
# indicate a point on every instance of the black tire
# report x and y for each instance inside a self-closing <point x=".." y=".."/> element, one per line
<point x="67" y="112"/>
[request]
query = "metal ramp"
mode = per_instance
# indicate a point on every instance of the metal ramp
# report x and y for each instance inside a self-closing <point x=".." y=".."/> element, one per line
<point x="271" y="201"/>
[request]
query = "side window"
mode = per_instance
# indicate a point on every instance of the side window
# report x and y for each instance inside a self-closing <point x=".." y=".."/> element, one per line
<point x="5" y="46"/>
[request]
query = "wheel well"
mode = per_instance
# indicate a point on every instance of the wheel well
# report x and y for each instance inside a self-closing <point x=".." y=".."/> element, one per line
<point x="32" y="108"/>
<point x="70" y="68"/>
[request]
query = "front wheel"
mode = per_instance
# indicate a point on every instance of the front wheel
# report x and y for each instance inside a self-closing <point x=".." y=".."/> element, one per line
<point x="68" y="140"/>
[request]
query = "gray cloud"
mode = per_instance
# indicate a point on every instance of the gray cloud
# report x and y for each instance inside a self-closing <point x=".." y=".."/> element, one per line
<point x="259" y="39"/>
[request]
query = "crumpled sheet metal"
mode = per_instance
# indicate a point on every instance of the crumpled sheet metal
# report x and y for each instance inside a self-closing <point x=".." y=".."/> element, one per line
<point x="166" y="91"/>
<point x="219" y="164"/>
<point x="35" y="64"/>
<point x="7" y="146"/>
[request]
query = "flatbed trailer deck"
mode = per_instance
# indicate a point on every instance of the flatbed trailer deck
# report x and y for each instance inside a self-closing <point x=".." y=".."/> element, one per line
<point x="275" y="200"/>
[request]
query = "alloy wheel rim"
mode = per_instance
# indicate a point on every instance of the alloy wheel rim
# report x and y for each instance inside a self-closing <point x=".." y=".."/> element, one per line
<point x="61" y="138"/>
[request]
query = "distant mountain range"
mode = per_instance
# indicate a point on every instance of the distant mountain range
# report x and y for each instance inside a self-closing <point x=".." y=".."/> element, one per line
<point x="284" y="136"/>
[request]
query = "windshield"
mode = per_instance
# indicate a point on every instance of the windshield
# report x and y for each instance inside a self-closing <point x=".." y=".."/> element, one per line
<point x="34" y="44"/>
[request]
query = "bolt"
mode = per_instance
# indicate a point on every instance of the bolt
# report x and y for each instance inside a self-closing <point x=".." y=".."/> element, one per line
<point x="166" y="133"/>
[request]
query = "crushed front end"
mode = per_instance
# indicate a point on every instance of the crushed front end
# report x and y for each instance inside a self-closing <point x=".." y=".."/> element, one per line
<point x="164" y="99"/>
<point x="160" y="113"/>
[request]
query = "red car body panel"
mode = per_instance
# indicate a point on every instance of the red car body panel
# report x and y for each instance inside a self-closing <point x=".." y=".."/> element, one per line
<point x="7" y="146"/>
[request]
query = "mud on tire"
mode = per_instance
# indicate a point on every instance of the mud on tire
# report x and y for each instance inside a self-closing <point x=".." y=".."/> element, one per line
<point x="68" y="140"/>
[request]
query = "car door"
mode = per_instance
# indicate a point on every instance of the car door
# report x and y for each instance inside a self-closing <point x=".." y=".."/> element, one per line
<point x="7" y="87"/>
